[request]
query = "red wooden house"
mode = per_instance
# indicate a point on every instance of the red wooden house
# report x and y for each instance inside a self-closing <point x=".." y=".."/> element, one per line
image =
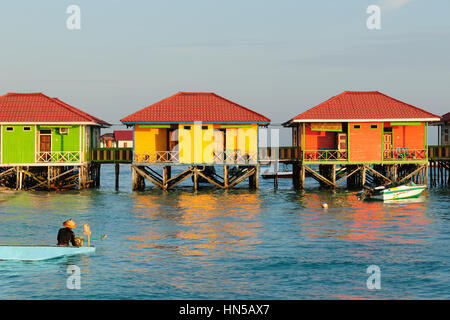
<point x="357" y="127"/>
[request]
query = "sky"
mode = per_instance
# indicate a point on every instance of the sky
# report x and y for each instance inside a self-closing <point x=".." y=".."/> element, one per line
<point x="278" y="58"/>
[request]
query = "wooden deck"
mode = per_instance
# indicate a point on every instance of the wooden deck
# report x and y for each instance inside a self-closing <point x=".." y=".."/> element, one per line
<point x="265" y="155"/>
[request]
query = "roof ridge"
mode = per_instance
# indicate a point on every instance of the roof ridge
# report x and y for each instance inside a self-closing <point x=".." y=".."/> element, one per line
<point x="254" y="112"/>
<point x="317" y="106"/>
<point x="72" y="108"/>
<point x="410" y="105"/>
<point x="147" y="107"/>
<point x="78" y="111"/>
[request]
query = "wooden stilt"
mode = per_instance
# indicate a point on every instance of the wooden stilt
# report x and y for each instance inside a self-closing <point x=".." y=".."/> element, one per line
<point x="225" y="176"/>
<point x="296" y="175"/>
<point x="97" y="177"/>
<point x="275" y="179"/>
<point x="333" y="174"/>
<point x="242" y="177"/>
<point x="319" y="177"/>
<point x="302" y="176"/>
<point x="134" y="179"/>
<point x="256" y="177"/>
<point x="195" y="178"/>
<point x="394" y="173"/>
<point x="117" y="172"/>
<point x="363" y="175"/>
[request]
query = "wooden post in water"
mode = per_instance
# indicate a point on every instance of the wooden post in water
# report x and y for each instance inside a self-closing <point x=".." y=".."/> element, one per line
<point x="134" y="183"/>
<point x="97" y="177"/>
<point x="296" y="175"/>
<point x="80" y="177"/>
<point x="195" y="178"/>
<point x="394" y="173"/>
<point x="302" y="176"/>
<point x="363" y="175"/>
<point x="117" y="175"/>
<point x="49" y="176"/>
<point x="19" y="177"/>
<point x="165" y="176"/>
<point x="253" y="179"/>
<point x="333" y="173"/>
<point x="225" y="177"/>
<point x="275" y="179"/>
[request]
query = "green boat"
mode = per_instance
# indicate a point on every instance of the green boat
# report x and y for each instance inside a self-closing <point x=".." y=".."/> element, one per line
<point x="37" y="253"/>
<point x="392" y="192"/>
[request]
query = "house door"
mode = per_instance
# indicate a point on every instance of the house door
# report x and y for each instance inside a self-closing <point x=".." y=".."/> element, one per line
<point x="342" y="141"/>
<point x="387" y="146"/>
<point x="45" y="145"/>
<point x="219" y="142"/>
<point x="172" y="145"/>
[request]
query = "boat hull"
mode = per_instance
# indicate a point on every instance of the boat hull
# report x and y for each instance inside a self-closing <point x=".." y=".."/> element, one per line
<point x="398" y="193"/>
<point x="36" y="253"/>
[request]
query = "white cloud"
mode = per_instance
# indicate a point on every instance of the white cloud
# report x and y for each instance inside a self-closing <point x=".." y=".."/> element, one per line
<point x="393" y="4"/>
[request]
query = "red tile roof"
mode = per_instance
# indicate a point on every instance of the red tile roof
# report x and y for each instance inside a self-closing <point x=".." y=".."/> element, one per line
<point x="195" y="106"/>
<point x="39" y="108"/>
<point x="364" y="105"/>
<point x="123" y="135"/>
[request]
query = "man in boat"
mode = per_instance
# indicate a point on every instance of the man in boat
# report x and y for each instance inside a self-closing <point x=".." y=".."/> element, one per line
<point x="66" y="235"/>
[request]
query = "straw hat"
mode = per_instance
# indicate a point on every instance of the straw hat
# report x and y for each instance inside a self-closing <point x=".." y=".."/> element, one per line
<point x="70" y="224"/>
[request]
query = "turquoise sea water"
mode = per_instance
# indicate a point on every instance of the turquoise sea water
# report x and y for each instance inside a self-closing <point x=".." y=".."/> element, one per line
<point x="237" y="244"/>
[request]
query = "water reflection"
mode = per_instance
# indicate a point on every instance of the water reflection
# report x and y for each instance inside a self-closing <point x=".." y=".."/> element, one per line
<point x="347" y="218"/>
<point x="197" y="225"/>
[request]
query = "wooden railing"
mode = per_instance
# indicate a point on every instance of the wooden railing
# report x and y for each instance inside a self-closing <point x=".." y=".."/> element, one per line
<point x="113" y="155"/>
<point x="439" y="152"/>
<point x="280" y="153"/>
<point x="156" y="157"/>
<point x="325" y="155"/>
<point x="405" y="154"/>
<point x="58" y="156"/>
<point x="235" y="157"/>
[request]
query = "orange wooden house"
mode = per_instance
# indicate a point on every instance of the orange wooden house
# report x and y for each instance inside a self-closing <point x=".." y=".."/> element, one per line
<point x="357" y="127"/>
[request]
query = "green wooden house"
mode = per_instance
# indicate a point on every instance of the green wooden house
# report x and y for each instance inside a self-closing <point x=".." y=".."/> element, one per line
<point x="40" y="130"/>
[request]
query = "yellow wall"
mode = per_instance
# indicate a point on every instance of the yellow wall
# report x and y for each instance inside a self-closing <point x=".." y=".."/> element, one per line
<point x="196" y="145"/>
<point x="150" y="139"/>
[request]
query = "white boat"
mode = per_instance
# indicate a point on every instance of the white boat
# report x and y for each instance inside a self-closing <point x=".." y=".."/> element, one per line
<point x="273" y="172"/>
<point x="382" y="193"/>
<point x="36" y="253"/>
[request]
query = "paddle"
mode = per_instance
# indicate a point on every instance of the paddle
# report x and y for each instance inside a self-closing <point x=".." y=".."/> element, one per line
<point x="87" y="231"/>
<point x="98" y="238"/>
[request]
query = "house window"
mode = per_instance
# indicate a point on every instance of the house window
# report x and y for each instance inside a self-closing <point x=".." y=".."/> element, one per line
<point x="373" y="126"/>
<point x="9" y="128"/>
<point x="187" y="127"/>
<point x="204" y="127"/>
<point x="387" y="129"/>
<point x="26" y="128"/>
<point x="356" y="126"/>
<point x="125" y="145"/>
